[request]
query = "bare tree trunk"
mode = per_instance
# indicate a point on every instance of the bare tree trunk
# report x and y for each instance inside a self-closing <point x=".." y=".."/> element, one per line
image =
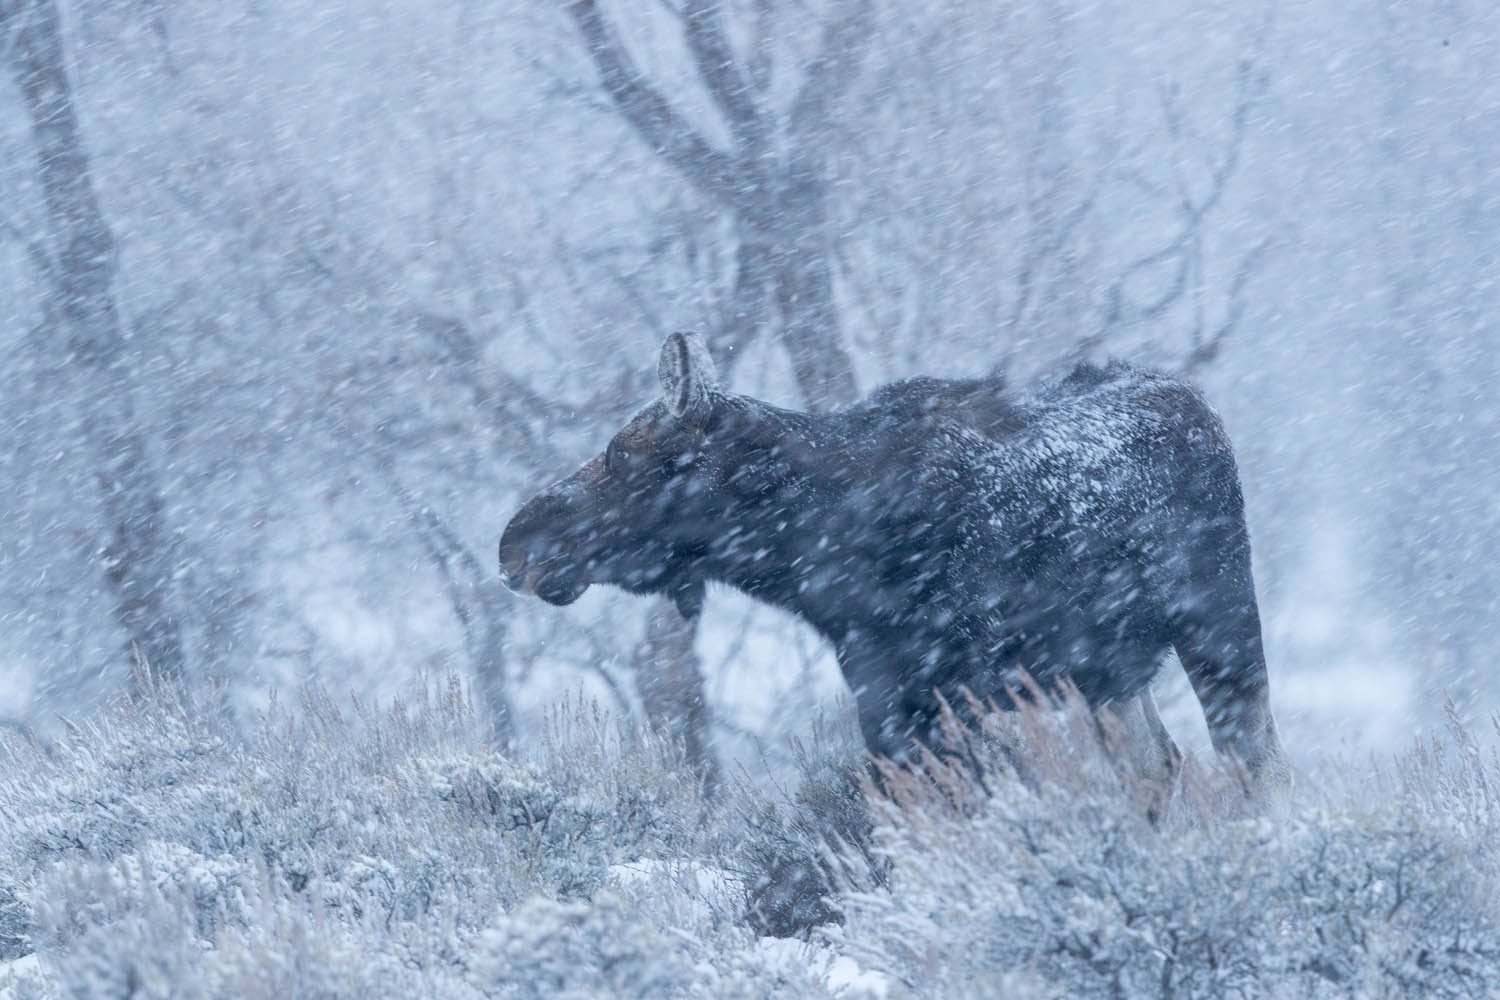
<point x="489" y="663"/>
<point x="802" y="276"/>
<point x="476" y="597"/>
<point x="137" y="548"/>
<point x="785" y="284"/>
<point x="670" y="679"/>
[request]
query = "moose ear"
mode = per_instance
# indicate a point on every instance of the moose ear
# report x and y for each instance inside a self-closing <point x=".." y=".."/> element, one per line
<point x="689" y="379"/>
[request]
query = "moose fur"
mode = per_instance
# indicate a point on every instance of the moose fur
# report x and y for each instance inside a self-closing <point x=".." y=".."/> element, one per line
<point x="942" y="534"/>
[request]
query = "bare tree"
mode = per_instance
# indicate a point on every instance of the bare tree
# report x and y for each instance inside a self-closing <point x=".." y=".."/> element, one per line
<point x="669" y="677"/>
<point x="772" y="181"/>
<point x="78" y="258"/>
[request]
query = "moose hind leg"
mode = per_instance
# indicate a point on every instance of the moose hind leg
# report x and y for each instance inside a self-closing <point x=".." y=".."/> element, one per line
<point x="1149" y="751"/>
<point x="1227" y="669"/>
<point x="1167" y="753"/>
<point x="1216" y="632"/>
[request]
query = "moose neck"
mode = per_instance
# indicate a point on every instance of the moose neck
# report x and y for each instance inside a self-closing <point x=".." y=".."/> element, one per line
<point x="798" y="544"/>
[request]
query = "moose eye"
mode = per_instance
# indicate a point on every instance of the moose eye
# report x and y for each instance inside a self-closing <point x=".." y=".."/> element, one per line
<point x="615" y="458"/>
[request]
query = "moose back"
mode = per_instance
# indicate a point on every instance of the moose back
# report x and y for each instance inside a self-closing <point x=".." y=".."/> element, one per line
<point x="942" y="535"/>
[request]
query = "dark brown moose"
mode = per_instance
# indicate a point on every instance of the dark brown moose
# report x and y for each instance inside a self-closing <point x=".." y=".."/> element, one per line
<point x="941" y="535"/>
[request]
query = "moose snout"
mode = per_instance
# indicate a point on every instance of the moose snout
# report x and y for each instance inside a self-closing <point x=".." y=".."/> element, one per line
<point x="513" y="564"/>
<point x="522" y="548"/>
<point x="518" y="570"/>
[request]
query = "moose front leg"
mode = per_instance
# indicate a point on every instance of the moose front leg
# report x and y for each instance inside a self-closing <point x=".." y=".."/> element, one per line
<point x="886" y="732"/>
<point x="1228" y="674"/>
<point x="1149" y="751"/>
<point x="689" y="596"/>
<point x="885" y="721"/>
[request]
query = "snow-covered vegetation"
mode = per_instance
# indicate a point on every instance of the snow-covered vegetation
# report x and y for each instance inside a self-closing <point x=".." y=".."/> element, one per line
<point x="345" y="850"/>
<point x="356" y="852"/>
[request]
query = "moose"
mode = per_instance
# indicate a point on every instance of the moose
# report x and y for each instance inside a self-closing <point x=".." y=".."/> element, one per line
<point x="942" y="535"/>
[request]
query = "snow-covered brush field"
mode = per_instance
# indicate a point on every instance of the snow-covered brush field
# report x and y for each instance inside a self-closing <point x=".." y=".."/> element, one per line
<point x="352" y="851"/>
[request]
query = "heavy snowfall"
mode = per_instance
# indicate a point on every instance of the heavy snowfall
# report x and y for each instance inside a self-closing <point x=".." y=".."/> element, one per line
<point x="301" y="303"/>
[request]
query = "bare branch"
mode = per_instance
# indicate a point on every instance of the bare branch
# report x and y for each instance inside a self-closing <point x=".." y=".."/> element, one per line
<point x="1043" y="246"/>
<point x="845" y="41"/>
<point x="760" y="47"/>
<point x="720" y="72"/>
<point x="1220" y="175"/>
<point x="1206" y="351"/>
<point x="1183" y="252"/>
<point x="744" y="313"/>
<point x="464" y="582"/>
<point x="1118" y="312"/>
<point x="1239" y="125"/>
<point x="506" y="400"/>
<point x="652" y="116"/>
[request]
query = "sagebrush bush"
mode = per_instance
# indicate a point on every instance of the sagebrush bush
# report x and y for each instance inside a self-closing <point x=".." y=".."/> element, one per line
<point x="362" y="852"/>
<point x="801" y="845"/>
<point x="1033" y="853"/>
<point x="356" y="852"/>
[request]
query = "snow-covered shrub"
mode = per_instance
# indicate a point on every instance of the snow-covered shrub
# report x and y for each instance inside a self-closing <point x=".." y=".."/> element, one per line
<point x="355" y="852"/>
<point x="637" y="942"/>
<point x="548" y="949"/>
<point x="134" y="838"/>
<point x="1032" y="853"/>
<point x="15" y="939"/>
<point x="269" y="944"/>
<point x="578" y="809"/>
<point x="803" y="844"/>
<point x="22" y="979"/>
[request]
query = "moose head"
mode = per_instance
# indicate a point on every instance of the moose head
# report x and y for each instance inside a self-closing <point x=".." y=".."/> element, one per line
<point x="642" y="514"/>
